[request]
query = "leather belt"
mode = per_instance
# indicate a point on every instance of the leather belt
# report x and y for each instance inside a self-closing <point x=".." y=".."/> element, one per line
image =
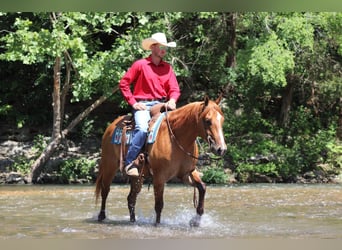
<point x="151" y="99"/>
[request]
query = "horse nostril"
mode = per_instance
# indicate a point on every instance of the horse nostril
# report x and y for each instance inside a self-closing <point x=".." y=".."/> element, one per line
<point x="221" y="151"/>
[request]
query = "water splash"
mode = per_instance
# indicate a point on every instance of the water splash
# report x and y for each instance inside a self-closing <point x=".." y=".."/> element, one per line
<point x="175" y="224"/>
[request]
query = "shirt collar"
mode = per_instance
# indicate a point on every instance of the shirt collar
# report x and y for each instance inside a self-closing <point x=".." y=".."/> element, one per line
<point x="149" y="59"/>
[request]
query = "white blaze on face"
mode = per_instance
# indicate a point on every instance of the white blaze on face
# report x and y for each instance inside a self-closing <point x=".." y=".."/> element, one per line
<point x="219" y="118"/>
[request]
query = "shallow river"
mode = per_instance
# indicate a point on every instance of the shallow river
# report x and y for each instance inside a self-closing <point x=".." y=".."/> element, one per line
<point x="231" y="212"/>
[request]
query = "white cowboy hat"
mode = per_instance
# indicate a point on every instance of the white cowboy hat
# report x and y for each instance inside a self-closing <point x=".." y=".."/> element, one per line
<point x="159" y="38"/>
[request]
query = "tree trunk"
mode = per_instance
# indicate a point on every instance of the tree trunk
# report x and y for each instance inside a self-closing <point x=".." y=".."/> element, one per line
<point x="53" y="145"/>
<point x="42" y="159"/>
<point x="84" y="114"/>
<point x="56" y="130"/>
<point x="57" y="136"/>
<point x="50" y="149"/>
<point x="56" y="100"/>
<point x="231" y="27"/>
<point x="339" y="127"/>
<point x="284" y="116"/>
<point x="231" y="51"/>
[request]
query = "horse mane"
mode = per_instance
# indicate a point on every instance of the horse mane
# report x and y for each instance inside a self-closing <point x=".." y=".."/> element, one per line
<point x="191" y="112"/>
<point x="182" y="114"/>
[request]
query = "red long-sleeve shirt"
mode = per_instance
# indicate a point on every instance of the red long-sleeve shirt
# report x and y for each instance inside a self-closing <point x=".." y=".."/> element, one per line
<point x="149" y="81"/>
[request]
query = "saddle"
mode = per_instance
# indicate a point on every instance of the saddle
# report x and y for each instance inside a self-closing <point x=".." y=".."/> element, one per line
<point x="155" y="112"/>
<point x="127" y="123"/>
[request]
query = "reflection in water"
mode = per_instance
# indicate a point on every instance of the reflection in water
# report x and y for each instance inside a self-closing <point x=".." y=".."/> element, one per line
<point x="246" y="211"/>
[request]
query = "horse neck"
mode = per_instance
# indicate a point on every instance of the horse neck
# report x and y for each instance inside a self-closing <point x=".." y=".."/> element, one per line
<point x="184" y="122"/>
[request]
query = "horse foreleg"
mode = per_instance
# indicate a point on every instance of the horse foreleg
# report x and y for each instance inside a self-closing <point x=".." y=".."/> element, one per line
<point x="201" y="190"/>
<point x="159" y="200"/>
<point x="136" y="184"/>
<point x="195" y="180"/>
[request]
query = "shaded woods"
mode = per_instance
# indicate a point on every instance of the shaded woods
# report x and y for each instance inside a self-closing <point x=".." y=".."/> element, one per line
<point x="280" y="74"/>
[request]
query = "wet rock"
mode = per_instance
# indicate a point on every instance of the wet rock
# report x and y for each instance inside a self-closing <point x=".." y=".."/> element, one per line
<point x="260" y="178"/>
<point x="231" y="176"/>
<point x="50" y="178"/>
<point x="15" y="178"/>
<point x="79" y="181"/>
<point x="262" y="158"/>
<point x="11" y="151"/>
<point x="5" y="163"/>
<point x="309" y="175"/>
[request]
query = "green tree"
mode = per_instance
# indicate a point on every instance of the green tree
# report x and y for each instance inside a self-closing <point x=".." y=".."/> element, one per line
<point x="70" y="45"/>
<point x="281" y="71"/>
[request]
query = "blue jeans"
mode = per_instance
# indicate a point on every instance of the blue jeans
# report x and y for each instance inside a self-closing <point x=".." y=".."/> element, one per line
<point x="141" y="117"/>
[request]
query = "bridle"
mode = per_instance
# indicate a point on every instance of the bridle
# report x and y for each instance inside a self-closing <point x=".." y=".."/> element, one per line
<point x="173" y="137"/>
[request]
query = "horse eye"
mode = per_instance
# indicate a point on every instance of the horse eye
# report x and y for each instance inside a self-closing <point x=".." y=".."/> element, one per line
<point x="208" y="122"/>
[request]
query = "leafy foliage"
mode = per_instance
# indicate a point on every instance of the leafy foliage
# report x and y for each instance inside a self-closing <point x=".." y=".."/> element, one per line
<point x="214" y="175"/>
<point x="73" y="169"/>
<point x="271" y="61"/>
<point x="23" y="163"/>
<point x="286" y="63"/>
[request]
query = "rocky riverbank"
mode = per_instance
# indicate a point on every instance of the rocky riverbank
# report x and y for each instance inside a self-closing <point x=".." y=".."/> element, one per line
<point x="11" y="150"/>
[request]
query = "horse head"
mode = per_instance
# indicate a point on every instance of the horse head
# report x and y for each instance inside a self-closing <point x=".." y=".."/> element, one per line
<point x="212" y="120"/>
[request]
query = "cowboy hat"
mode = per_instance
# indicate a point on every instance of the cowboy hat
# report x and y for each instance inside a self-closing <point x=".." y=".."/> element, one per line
<point x="159" y="38"/>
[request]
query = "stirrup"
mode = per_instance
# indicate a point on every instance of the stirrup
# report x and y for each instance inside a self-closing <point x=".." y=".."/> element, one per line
<point x="132" y="170"/>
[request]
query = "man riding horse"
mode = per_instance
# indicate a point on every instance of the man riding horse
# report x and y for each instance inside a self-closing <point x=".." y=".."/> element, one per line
<point x="154" y="81"/>
<point x="173" y="152"/>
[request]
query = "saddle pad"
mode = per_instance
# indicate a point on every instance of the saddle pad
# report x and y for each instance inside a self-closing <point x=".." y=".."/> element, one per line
<point x="154" y="130"/>
<point x="117" y="135"/>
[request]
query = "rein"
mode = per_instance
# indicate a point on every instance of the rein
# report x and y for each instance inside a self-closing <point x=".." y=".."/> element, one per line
<point x="173" y="137"/>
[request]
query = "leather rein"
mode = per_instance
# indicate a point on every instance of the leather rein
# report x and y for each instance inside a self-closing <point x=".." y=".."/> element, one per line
<point x="173" y="137"/>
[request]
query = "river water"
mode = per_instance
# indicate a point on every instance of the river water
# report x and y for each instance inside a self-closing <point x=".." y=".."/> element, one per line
<point x="262" y="211"/>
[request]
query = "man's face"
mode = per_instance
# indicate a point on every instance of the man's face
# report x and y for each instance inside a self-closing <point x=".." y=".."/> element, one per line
<point x="159" y="50"/>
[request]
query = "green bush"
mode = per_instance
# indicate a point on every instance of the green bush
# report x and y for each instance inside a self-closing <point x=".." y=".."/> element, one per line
<point x="334" y="154"/>
<point x="312" y="148"/>
<point x="214" y="175"/>
<point x="300" y="154"/>
<point x="73" y="169"/>
<point x="87" y="127"/>
<point x="39" y="144"/>
<point x="21" y="164"/>
<point x="264" y="156"/>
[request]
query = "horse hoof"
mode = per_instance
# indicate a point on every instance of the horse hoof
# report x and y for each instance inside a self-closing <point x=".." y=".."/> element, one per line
<point x="101" y="216"/>
<point x="195" y="221"/>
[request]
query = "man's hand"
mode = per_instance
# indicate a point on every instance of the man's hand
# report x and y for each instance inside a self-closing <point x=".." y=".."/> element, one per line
<point x="171" y="104"/>
<point x="139" y="106"/>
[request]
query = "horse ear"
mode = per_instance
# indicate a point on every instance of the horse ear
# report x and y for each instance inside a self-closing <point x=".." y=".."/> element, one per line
<point x="206" y="100"/>
<point x="218" y="100"/>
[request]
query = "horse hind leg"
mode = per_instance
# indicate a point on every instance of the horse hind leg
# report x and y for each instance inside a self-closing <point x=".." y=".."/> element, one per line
<point x="104" y="194"/>
<point x="103" y="183"/>
<point x="136" y="183"/>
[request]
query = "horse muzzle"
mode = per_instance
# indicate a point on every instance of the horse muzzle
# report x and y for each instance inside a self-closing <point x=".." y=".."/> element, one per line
<point x="217" y="148"/>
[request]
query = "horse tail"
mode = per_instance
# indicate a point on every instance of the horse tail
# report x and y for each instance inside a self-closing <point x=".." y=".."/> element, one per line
<point x="98" y="185"/>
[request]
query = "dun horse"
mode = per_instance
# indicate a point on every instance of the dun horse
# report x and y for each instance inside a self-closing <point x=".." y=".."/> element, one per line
<point x="173" y="154"/>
